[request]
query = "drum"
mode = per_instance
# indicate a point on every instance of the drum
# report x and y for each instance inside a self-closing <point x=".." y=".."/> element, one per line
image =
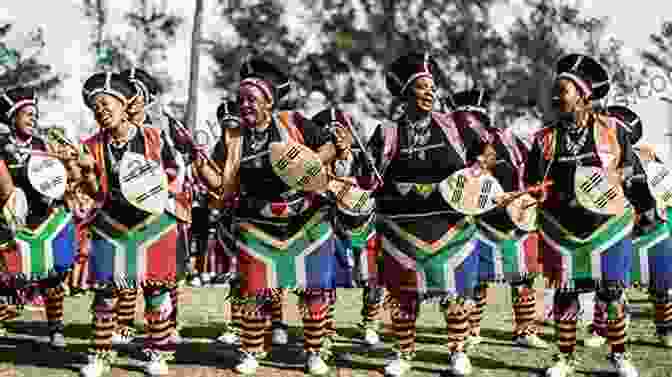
<point x="298" y="166"/>
<point x="523" y="212"/>
<point x="351" y="199"/>
<point x="48" y="176"/>
<point x="143" y="183"/>
<point x="50" y="248"/>
<point x="469" y="192"/>
<point x="301" y="169"/>
<point x="599" y="191"/>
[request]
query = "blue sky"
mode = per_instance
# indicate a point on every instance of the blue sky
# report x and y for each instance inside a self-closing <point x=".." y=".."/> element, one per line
<point x="67" y="43"/>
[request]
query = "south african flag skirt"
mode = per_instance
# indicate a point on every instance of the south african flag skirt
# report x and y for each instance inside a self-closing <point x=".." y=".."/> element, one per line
<point x="44" y="251"/>
<point x="507" y="257"/>
<point x="444" y="267"/>
<point x="129" y="257"/>
<point x="357" y="256"/>
<point x="605" y="255"/>
<point x="304" y="260"/>
<point x="652" y="258"/>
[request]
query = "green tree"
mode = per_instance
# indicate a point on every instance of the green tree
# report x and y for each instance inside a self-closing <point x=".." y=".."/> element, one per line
<point x="154" y="30"/>
<point x="258" y="28"/>
<point x="20" y="63"/>
<point x="658" y="57"/>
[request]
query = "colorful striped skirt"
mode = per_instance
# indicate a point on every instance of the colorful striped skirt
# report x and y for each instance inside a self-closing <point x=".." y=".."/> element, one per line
<point x="124" y="257"/>
<point x="357" y="253"/>
<point x="652" y="258"/>
<point x="46" y="251"/>
<point x="507" y="257"/>
<point x="605" y="255"/>
<point x="306" y="259"/>
<point x="443" y="268"/>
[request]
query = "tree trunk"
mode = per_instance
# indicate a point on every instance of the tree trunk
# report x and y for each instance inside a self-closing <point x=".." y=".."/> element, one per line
<point x="194" y="66"/>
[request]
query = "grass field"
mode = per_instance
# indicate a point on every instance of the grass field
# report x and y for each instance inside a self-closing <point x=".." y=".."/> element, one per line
<point x="25" y="352"/>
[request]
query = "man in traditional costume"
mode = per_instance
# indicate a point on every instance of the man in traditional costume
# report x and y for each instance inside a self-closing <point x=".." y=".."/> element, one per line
<point x="430" y="250"/>
<point x="585" y="221"/>
<point x="39" y="253"/>
<point x="276" y="225"/>
<point x="130" y="247"/>
<point x="357" y="245"/>
<point x="228" y="116"/>
<point x="652" y="244"/>
<point x="508" y="246"/>
<point x="148" y="90"/>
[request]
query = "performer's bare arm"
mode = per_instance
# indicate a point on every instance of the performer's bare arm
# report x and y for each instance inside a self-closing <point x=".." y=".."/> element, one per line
<point x="6" y="182"/>
<point x="223" y="180"/>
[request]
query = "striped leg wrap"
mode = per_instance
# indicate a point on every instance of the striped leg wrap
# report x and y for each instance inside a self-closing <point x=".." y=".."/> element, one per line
<point x="314" y="306"/>
<point x="616" y="326"/>
<point x="4" y="312"/>
<point x="126" y="304"/>
<point x="158" y="310"/>
<point x="236" y="314"/>
<point x="372" y="304"/>
<point x="54" y="308"/>
<point x="277" y="305"/>
<point x="457" y="316"/>
<point x="476" y="314"/>
<point x="330" y="322"/>
<point x="104" y="320"/>
<point x="253" y="331"/>
<point x="599" y="324"/>
<point x="662" y="303"/>
<point x="566" y="315"/>
<point x="524" y="303"/>
<point x="404" y="308"/>
<point x="174" y="297"/>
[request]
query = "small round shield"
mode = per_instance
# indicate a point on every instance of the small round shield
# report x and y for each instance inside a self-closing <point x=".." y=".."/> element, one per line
<point x="351" y="199"/>
<point x="299" y="167"/>
<point x="143" y="183"/>
<point x="599" y="191"/>
<point x="470" y="193"/>
<point x="48" y="176"/>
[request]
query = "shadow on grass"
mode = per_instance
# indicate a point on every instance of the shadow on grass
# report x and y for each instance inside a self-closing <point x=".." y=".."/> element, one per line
<point x="476" y="361"/>
<point x="26" y="352"/>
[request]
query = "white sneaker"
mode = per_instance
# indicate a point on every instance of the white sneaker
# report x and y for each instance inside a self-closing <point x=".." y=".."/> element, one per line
<point x="248" y="364"/>
<point x="561" y="368"/>
<point x="531" y="341"/>
<point x="57" y="340"/>
<point x="96" y="367"/>
<point x="315" y="365"/>
<point x="619" y="364"/>
<point x="594" y="340"/>
<point x="119" y="339"/>
<point x="371" y="337"/>
<point x="206" y="278"/>
<point x="397" y="367"/>
<point x="229" y="338"/>
<point x="156" y="366"/>
<point x="196" y="282"/>
<point x="279" y="336"/>
<point x="460" y="364"/>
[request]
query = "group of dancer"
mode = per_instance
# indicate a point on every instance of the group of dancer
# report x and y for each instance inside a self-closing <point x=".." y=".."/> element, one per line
<point x="429" y="207"/>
